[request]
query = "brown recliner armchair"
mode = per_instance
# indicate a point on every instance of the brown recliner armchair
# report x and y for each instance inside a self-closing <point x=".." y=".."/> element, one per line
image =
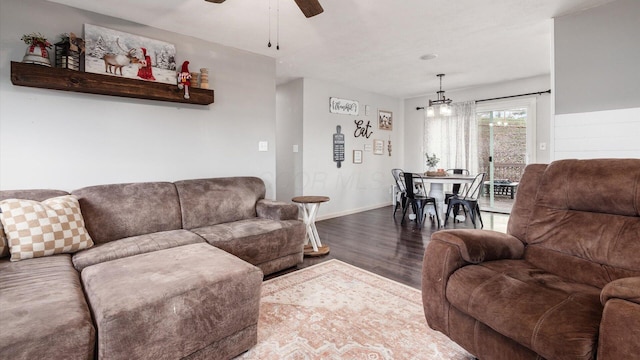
<point x="563" y="283"/>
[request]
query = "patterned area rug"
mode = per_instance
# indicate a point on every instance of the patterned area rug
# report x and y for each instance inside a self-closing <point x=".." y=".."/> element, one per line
<point x="337" y="311"/>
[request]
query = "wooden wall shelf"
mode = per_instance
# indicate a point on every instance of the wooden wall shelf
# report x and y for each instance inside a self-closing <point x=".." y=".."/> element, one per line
<point x="44" y="77"/>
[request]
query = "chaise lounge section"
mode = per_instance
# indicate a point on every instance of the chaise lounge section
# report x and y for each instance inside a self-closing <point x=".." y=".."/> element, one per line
<point x="175" y="272"/>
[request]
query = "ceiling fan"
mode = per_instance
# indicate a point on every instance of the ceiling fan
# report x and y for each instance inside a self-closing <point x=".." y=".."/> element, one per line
<point x="309" y="7"/>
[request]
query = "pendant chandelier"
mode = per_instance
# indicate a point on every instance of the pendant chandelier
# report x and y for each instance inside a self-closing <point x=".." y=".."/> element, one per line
<point x="442" y="103"/>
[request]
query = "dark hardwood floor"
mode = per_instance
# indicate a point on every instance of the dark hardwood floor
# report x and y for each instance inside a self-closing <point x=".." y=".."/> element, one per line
<point x="376" y="241"/>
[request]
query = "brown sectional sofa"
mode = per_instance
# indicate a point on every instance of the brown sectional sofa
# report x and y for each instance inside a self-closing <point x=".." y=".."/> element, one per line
<point x="152" y="286"/>
<point x="563" y="283"/>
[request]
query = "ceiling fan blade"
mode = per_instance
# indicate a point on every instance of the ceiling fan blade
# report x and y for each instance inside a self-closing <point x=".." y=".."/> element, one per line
<point x="309" y="7"/>
<point x="215" y="1"/>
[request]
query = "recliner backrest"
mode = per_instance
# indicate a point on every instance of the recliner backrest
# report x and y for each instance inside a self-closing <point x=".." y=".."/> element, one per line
<point x="584" y="220"/>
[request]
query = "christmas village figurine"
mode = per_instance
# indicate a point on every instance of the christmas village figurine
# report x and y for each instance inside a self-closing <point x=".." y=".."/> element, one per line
<point x="184" y="79"/>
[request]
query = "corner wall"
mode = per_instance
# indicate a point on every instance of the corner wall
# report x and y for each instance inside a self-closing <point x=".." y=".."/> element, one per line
<point x="352" y="187"/>
<point x="65" y="140"/>
<point x="597" y="82"/>
<point x="289" y="120"/>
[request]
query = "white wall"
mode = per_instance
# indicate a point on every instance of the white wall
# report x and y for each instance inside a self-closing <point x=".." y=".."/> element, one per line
<point x="414" y="120"/>
<point x="64" y="140"/>
<point x="289" y="100"/>
<point x="353" y="187"/>
<point x="597" y="82"/>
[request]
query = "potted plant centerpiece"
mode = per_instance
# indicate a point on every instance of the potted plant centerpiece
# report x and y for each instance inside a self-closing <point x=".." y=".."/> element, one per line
<point x="37" y="50"/>
<point x="432" y="162"/>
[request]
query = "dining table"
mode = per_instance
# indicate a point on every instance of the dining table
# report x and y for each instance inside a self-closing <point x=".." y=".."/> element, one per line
<point x="436" y="188"/>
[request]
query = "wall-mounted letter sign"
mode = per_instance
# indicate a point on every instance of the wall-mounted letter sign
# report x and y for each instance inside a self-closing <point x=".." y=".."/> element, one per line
<point x="342" y="106"/>
<point x="362" y="130"/>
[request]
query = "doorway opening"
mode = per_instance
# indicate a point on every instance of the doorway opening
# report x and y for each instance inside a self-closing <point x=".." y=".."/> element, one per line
<point x="506" y="138"/>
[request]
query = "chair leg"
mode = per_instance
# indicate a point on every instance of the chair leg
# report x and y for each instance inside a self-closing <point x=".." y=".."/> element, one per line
<point x="404" y="212"/>
<point x="435" y="209"/>
<point x="419" y="213"/>
<point x="479" y="216"/>
<point x="472" y="214"/>
<point x="446" y="217"/>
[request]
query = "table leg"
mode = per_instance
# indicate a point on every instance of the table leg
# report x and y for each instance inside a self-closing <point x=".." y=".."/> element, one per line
<point x="309" y="212"/>
<point x="437" y="191"/>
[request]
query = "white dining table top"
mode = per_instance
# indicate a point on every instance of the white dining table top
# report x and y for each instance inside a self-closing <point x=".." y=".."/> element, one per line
<point x="451" y="179"/>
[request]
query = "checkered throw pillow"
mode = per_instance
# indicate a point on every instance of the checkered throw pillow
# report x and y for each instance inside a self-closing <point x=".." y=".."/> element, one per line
<point x="35" y="229"/>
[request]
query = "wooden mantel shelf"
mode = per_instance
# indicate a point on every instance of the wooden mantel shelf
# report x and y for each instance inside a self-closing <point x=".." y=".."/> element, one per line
<point x="44" y="77"/>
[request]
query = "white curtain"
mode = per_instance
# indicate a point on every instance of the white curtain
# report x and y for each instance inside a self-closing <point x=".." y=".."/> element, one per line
<point x="454" y="139"/>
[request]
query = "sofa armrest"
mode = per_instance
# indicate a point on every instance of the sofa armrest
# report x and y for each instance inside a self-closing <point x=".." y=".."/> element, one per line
<point x="620" y="323"/>
<point x="450" y="250"/>
<point x="625" y="288"/>
<point x="276" y="210"/>
<point x="476" y="246"/>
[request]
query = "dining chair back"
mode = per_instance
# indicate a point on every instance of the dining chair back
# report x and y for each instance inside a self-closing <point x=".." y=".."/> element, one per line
<point x="468" y="199"/>
<point x="416" y="196"/>
<point x="455" y="189"/>
<point x="400" y="195"/>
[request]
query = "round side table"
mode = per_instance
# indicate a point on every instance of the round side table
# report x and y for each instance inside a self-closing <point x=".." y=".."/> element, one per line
<point x="309" y="206"/>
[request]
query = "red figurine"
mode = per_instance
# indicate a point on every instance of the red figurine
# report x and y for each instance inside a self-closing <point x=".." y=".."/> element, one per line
<point x="145" y="72"/>
<point x="184" y="79"/>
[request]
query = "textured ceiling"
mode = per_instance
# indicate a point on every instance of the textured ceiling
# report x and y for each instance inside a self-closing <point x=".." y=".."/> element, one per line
<point x="374" y="45"/>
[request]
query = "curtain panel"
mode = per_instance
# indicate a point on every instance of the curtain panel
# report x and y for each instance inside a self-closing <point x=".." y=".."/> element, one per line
<point x="454" y="139"/>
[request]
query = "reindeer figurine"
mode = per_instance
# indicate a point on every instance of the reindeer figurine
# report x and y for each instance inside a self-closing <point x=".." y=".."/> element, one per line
<point x="113" y="62"/>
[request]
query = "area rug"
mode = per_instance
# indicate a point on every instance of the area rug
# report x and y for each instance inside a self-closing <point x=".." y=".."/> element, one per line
<point x="333" y="310"/>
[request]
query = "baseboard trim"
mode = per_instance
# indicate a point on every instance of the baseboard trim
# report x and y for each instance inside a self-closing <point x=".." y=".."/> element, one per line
<point x="350" y="212"/>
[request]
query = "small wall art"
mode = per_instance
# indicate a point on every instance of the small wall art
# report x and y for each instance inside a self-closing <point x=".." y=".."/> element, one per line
<point x="357" y="156"/>
<point x="378" y="147"/>
<point x="116" y="53"/>
<point x="385" y="120"/>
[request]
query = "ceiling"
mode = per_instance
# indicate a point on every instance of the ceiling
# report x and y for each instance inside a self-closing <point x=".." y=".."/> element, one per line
<point x="374" y="45"/>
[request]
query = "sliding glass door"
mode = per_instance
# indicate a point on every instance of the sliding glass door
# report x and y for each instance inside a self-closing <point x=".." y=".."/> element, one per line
<point x="506" y="138"/>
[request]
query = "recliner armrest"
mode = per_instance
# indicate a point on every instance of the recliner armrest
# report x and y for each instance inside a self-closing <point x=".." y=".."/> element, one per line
<point x="448" y="251"/>
<point x="620" y="323"/>
<point x="276" y="210"/>
<point x="625" y="289"/>
<point x="476" y="246"/>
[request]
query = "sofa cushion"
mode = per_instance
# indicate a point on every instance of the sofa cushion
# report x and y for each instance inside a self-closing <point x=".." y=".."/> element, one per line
<point x="43" y="311"/>
<point x="256" y="240"/>
<point x="172" y="303"/>
<point x="118" y="211"/>
<point x="134" y="245"/>
<point x="556" y="318"/>
<point x="36" y="229"/>
<point x="206" y="202"/>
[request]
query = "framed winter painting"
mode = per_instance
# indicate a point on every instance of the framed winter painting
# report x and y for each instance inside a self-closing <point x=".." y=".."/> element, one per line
<point x="116" y="53"/>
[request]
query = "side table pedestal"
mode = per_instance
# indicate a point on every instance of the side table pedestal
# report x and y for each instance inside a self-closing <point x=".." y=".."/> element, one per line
<point x="309" y="206"/>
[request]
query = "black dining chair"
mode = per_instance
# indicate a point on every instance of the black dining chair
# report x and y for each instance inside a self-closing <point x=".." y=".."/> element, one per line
<point x="468" y="201"/>
<point x="400" y="195"/>
<point x="418" y="200"/>
<point x="455" y="189"/>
